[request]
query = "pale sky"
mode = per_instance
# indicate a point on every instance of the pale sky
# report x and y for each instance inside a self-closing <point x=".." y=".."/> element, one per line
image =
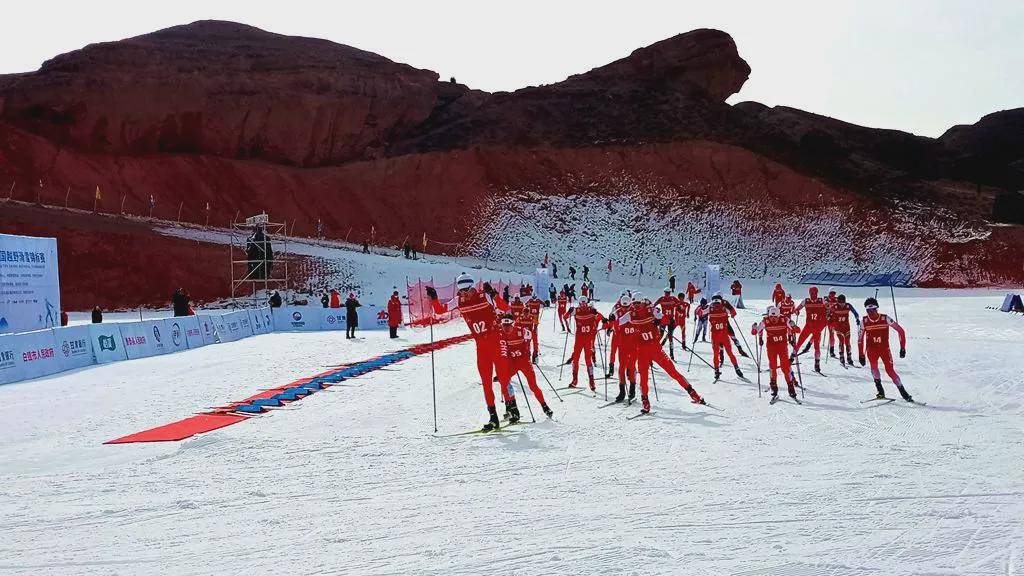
<point x="915" y="65"/>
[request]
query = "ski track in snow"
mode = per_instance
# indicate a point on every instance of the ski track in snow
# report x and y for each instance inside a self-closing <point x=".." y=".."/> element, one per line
<point x="353" y="480"/>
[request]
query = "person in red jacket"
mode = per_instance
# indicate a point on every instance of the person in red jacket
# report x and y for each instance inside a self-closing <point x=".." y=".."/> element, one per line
<point x="614" y="329"/>
<point x="830" y="303"/>
<point x="777" y="330"/>
<point x="643" y="318"/>
<point x="514" y="339"/>
<point x="668" y="304"/>
<point x="533" y="308"/>
<point x="737" y="293"/>
<point x="394" y="314"/>
<point x="787" y="308"/>
<point x="335" y="299"/>
<point x="691" y="291"/>
<point x="778" y="294"/>
<point x="680" y="315"/>
<point x="517" y="306"/>
<point x="719" y="314"/>
<point x="587" y="321"/>
<point x="813" y="325"/>
<point x="478" y="310"/>
<point x="563" y="306"/>
<point x="839" y="322"/>
<point x="875" y="331"/>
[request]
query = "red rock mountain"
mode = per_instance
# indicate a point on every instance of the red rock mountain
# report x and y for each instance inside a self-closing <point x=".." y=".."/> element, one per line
<point x="640" y="160"/>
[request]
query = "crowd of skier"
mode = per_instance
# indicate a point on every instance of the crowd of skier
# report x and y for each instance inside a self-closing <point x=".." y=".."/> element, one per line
<point x="636" y="332"/>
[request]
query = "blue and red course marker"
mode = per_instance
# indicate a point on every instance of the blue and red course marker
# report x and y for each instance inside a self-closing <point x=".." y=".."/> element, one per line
<point x="238" y="411"/>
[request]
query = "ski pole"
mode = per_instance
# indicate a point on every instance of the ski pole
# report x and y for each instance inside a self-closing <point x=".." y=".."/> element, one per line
<point x="758" y="365"/>
<point x="525" y="397"/>
<point x="654" y="381"/>
<point x="699" y="357"/>
<point x="800" y="378"/>
<point x="562" y="365"/>
<point x="433" y="379"/>
<point x="549" y="384"/>
<point x="736" y="324"/>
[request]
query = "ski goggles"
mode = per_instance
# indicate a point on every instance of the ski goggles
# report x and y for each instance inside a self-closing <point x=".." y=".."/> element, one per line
<point x="871" y="307"/>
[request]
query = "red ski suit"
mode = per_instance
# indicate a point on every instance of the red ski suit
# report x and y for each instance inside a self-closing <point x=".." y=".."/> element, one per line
<point x="587" y="320"/>
<point x="875" y="330"/>
<point x="815" y="323"/>
<point x="682" y="312"/>
<point x="840" y="323"/>
<point x="648" y="348"/>
<point x="533" y="308"/>
<point x="691" y="291"/>
<point x="718" y="319"/>
<point x="778" y="294"/>
<point x="624" y="343"/>
<point x="514" y="341"/>
<point x="478" y="311"/>
<point x="563" y="304"/>
<point x="777" y="331"/>
<point x="394" y="312"/>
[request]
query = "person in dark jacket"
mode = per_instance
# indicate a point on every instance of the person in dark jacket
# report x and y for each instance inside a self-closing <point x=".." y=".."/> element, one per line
<point x="275" y="300"/>
<point x="325" y="299"/>
<point x="351" y="316"/>
<point x="97" y="315"/>
<point x="63" y="318"/>
<point x="394" y="314"/>
<point x="180" y="301"/>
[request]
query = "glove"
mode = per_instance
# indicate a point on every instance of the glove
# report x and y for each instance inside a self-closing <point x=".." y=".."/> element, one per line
<point x="431" y="293"/>
<point x="863" y="360"/>
<point x="753" y="329"/>
<point x="903" y="352"/>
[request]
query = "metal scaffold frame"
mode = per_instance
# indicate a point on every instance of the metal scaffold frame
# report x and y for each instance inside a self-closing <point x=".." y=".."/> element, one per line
<point x="258" y="240"/>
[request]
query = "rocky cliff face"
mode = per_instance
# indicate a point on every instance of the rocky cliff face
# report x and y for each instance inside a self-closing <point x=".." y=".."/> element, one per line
<point x="303" y="128"/>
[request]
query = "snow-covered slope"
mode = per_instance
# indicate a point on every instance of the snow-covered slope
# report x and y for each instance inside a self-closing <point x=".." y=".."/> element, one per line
<point x="354" y="481"/>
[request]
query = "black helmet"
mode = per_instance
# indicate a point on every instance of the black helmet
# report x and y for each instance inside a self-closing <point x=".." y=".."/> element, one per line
<point x="871" y="303"/>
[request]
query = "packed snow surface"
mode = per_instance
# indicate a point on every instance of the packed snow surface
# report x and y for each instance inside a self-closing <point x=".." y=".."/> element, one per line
<point x="354" y="480"/>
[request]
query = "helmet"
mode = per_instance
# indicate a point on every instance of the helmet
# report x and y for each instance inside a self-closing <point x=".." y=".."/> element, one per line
<point x="507" y="318"/>
<point x="717" y="297"/>
<point x="625" y="300"/>
<point x="638" y="296"/>
<point x="842" y="298"/>
<point x="773" y="310"/>
<point x="813" y="291"/>
<point x="464" y="281"/>
<point x="668" y="290"/>
<point x="871" y="304"/>
<point x="518" y="299"/>
<point x="583" y="299"/>
<point x="831" y="291"/>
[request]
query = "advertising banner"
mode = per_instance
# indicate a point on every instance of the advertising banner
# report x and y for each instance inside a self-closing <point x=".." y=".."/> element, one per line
<point x="373" y="317"/>
<point x="268" y="318"/>
<point x="193" y="331"/>
<point x="206" y="329"/>
<point x="332" y="319"/>
<point x="74" y="346"/>
<point x="137" y="341"/>
<point x="37" y="354"/>
<point x="302" y="318"/>
<point x="244" y="323"/>
<point x="157" y="331"/>
<point x="107" y="344"/>
<point x="174" y="334"/>
<point x="29" y="284"/>
<point x="256" y="321"/>
<point x="10" y="371"/>
<point x="220" y="327"/>
<point x="712" y="279"/>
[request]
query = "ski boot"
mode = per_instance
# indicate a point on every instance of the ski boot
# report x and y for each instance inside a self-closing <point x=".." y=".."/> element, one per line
<point x="593" y="385"/>
<point x="632" y="392"/>
<point x="622" y="393"/>
<point x="645" y="405"/>
<point x="547" y="411"/>
<point x="573" y="384"/>
<point x="493" y="423"/>
<point x="739" y="373"/>
<point x="817" y="366"/>
<point x="906" y="395"/>
<point x="806" y="348"/>
<point x="694" y="397"/>
<point x="534" y="358"/>
<point x="718" y="374"/>
<point x="513" y="411"/>
<point x="832" y="351"/>
<point x="849" y="358"/>
<point x="684" y="345"/>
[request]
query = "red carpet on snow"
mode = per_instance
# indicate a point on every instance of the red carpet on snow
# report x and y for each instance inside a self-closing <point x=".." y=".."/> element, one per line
<point x="220" y="417"/>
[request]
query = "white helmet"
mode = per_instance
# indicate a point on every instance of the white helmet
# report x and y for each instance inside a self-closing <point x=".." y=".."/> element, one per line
<point x="583" y="299"/>
<point x="625" y="300"/>
<point x="773" y="310"/>
<point x="464" y="281"/>
<point x="638" y="296"/>
<point x="668" y="289"/>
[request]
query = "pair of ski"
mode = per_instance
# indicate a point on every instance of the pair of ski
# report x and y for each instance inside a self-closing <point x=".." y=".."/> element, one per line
<point x="790" y="400"/>
<point x="883" y="401"/>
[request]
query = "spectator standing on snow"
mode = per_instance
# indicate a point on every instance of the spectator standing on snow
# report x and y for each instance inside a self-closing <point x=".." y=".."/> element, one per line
<point x="275" y="300"/>
<point x="97" y="315"/>
<point x="325" y="299"/>
<point x="554" y="270"/>
<point x="180" y="301"/>
<point x="572" y="272"/>
<point x="586" y="273"/>
<point x="552" y="293"/>
<point x="593" y="296"/>
<point x="351" y="316"/>
<point x="394" y="314"/>
<point x="63" y="318"/>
